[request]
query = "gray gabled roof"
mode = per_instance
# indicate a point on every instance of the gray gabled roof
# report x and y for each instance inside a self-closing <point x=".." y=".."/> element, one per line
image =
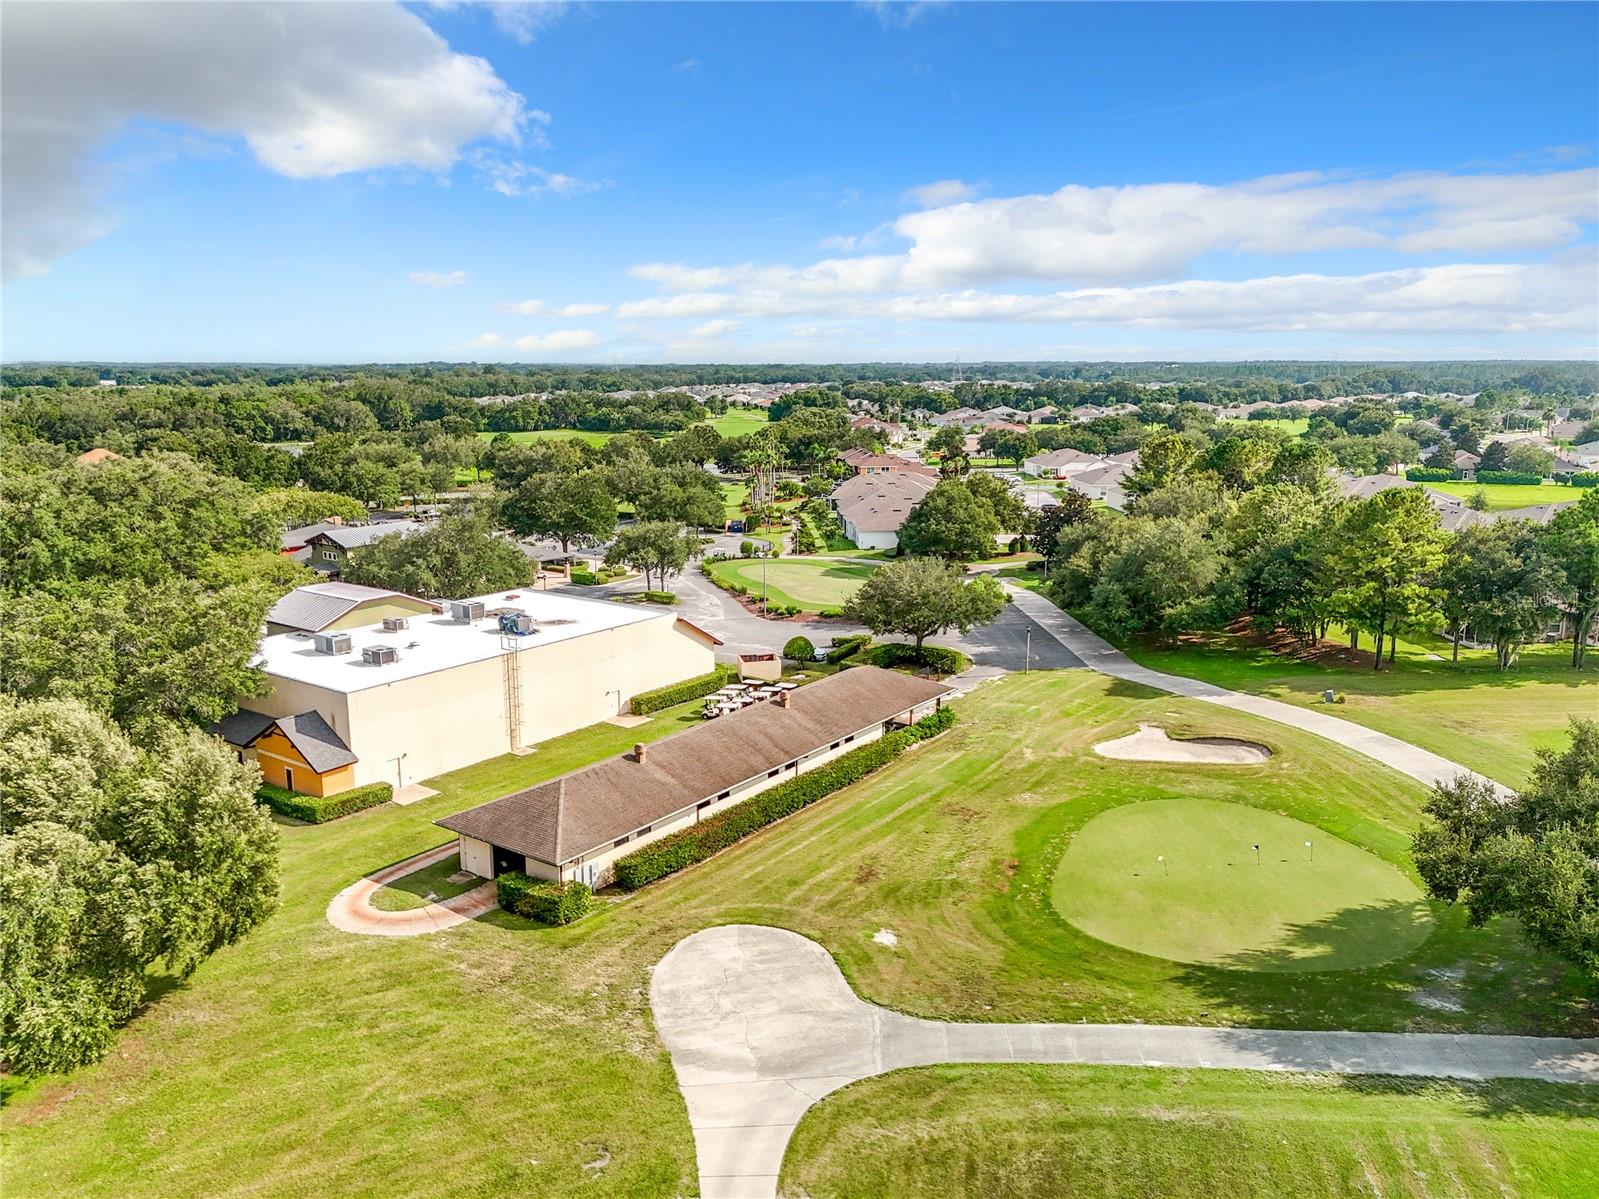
<point x="352" y="537"/>
<point x="322" y="748"/>
<point x="591" y="808"/>
<point x="315" y="606"/>
<point x="242" y="728"/>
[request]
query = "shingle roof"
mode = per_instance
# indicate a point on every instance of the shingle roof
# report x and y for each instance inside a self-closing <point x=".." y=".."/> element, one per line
<point x="589" y="809"/>
<point x="313" y="738"/>
<point x="242" y="728"/>
<point x="322" y="748"/>
<point x="880" y="503"/>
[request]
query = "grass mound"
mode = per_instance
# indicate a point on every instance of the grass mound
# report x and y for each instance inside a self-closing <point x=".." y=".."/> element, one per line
<point x="1326" y="906"/>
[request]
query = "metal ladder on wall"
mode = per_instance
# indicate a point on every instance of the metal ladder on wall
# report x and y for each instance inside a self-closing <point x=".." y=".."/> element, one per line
<point x="513" y="692"/>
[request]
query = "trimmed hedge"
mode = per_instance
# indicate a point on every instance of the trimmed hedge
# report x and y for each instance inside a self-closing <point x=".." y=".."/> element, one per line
<point x="1429" y="474"/>
<point x="1523" y="478"/>
<point x="646" y="702"/>
<point x="538" y="899"/>
<point x="845" y="646"/>
<point x="935" y="657"/>
<point x="1581" y="478"/>
<point x="585" y="578"/>
<point x="659" y="597"/>
<point x="672" y="853"/>
<point x="317" y="809"/>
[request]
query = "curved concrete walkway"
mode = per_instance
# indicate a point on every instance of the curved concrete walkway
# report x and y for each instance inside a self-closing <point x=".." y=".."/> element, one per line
<point x="1098" y="654"/>
<point x="761" y="1024"/>
<point x="351" y="910"/>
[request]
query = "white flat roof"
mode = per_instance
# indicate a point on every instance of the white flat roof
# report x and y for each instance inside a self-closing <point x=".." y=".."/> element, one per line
<point x="436" y="642"/>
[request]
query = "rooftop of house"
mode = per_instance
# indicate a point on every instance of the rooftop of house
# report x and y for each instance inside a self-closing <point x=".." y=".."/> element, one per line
<point x="432" y="643"/>
<point x="591" y="808"/>
<point x="879" y="503"/>
<point x="351" y="537"/>
<point x="1065" y="456"/>
<point x="312" y="737"/>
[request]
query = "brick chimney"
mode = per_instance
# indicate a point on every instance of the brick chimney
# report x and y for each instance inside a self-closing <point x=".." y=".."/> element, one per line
<point x="639" y="749"/>
<point x="782" y="699"/>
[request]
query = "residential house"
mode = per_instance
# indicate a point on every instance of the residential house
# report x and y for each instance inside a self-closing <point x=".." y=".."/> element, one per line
<point x="873" y="507"/>
<point x="1061" y="463"/>
<point x="864" y="462"/>
<point x="576" y="827"/>
<point x="1107" y="483"/>
<point x="328" y="552"/>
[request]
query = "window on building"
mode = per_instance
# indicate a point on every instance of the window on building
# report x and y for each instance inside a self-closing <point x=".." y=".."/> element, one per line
<point x="724" y="795"/>
<point x="621" y="841"/>
<point x="772" y="774"/>
<point x="645" y="829"/>
<point x="835" y="745"/>
<point x="705" y="803"/>
<point x="848" y="739"/>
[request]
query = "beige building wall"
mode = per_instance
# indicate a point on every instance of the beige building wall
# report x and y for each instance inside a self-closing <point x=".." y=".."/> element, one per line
<point x="413" y="729"/>
<point x="477" y="857"/>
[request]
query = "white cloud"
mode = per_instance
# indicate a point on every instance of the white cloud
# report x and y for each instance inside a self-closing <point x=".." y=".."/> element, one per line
<point x="435" y="279"/>
<point x="558" y="341"/>
<point x="540" y="308"/>
<point x="524" y="20"/>
<point x="1124" y="252"/>
<point x="486" y="341"/>
<point x="940" y="192"/>
<point x="513" y="177"/>
<point x="900" y="14"/>
<point x="313" y="89"/>
<point x="714" y="329"/>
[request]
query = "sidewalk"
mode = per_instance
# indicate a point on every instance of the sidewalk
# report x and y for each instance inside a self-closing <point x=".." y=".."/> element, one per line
<point x="1098" y="654"/>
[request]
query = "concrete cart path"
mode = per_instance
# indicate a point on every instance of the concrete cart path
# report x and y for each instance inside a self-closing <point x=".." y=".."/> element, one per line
<point x="761" y="1024"/>
<point x="1098" y="654"/>
<point x="351" y="910"/>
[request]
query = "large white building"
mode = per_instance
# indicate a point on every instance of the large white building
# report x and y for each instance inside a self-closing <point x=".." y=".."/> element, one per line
<point x="416" y="696"/>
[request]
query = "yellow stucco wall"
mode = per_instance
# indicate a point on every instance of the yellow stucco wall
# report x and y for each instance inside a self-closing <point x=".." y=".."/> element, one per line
<point x="373" y="611"/>
<point x="277" y="758"/>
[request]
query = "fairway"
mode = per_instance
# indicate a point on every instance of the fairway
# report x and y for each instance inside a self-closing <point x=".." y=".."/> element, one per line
<point x="1511" y="495"/>
<point x="1326" y="906"/>
<point x="805" y="584"/>
<point x="524" y="436"/>
<point x="737" y="422"/>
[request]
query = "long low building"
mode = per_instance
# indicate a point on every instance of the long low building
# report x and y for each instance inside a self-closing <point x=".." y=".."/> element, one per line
<point x="411" y="696"/>
<point x="576" y="827"/>
<point x="872" y="507"/>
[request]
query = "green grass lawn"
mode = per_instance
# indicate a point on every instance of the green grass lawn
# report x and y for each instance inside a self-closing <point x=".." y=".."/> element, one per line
<point x="1512" y="495"/>
<point x="1180" y="879"/>
<point x="500" y="1057"/>
<point x="1294" y="428"/>
<point x="1092" y="1132"/>
<point x="526" y="435"/>
<point x="809" y="584"/>
<point x="1468" y="712"/>
<point x="412" y="890"/>
<point x="738" y="422"/>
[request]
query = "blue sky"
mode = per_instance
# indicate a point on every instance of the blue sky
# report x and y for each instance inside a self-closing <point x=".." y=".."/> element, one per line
<point x="833" y="182"/>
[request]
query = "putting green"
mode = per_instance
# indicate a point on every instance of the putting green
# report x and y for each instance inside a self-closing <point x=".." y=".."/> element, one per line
<point x="805" y="584"/>
<point x="1331" y="906"/>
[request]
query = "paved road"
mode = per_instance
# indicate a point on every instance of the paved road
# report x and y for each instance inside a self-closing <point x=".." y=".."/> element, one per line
<point x="997" y="649"/>
<point x="761" y="1024"/>
<point x="1098" y="654"/>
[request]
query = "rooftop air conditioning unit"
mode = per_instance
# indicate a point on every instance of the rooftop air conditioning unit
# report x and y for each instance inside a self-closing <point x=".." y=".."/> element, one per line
<point x="393" y="624"/>
<point x="466" y="611"/>
<point x="379" y="655"/>
<point x="517" y="624"/>
<point x="331" y="643"/>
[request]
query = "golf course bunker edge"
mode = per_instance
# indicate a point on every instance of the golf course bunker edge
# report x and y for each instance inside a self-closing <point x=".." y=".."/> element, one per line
<point x="1213" y="883"/>
<point x="1151" y="743"/>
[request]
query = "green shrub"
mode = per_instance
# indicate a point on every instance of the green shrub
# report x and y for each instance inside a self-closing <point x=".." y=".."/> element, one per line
<point x="659" y="597"/>
<point x="1581" y="478"/>
<point x="538" y="899"/>
<point x="672" y="853"/>
<point x="585" y="578"/>
<point x="933" y="657"/>
<point x="1429" y="474"/>
<point x="845" y="647"/>
<point x="746" y="548"/>
<point x="318" y="809"/>
<point x="799" y="649"/>
<point x="646" y="702"/>
<point x="1524" y="478"/>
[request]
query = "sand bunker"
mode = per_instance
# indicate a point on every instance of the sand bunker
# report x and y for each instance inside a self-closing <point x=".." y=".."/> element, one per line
<point x="1151" y="744"/>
